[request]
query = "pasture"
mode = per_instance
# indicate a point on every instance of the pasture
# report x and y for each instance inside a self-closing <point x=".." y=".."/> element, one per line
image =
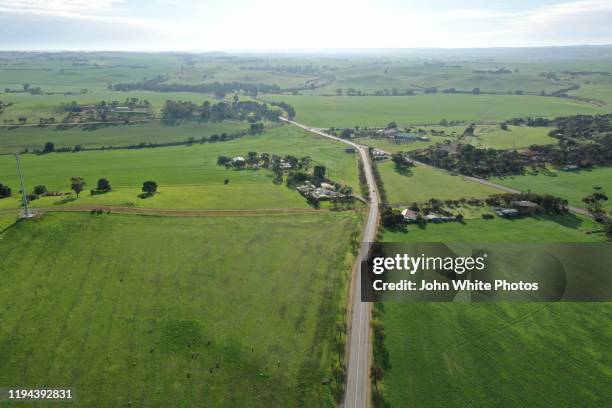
<point x="420" y="183"/>
<point x="34" y="107"/>
<point x="520" y="354"/>
<point x="565" y="228"/>
<point x="19" y="138"/>
<point x="350" y="111"/>
<point x="571" y="185"/>
<point x="208" y="311"/>
<point x="516" y="137"/>
<point x="188" y="176"/>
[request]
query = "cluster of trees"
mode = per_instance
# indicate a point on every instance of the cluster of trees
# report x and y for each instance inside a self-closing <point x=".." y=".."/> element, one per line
<point x="251" y="111"/>
<point x="580" y="126"/>
<point x="494" y="71"/>
<point x="77" y="184"/>
<point x="473" y="161"/>
<point x="113" y="111"/>
<point x="220" y="90"/>
<point x="582" y="140"/>
<point x="5" y="191"/>
<point x="549" y="204"/>
<point x="300" y="176"/>
<point x="288" y="69"/>
<point x="132" y="103"/>
<point x="594" y="203"/>
<point x="268" y="161"/>
<point x="102" y="186"/>
<point x="582" y="154"/>
<point x="401" y="160"/>
<point x="290" y="110"/>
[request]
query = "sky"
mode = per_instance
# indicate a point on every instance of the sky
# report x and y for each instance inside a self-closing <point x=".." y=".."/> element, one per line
<point x="269" y="25"/>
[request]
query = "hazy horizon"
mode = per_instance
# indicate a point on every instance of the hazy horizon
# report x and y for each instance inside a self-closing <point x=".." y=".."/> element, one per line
<point x="276" y="26"/>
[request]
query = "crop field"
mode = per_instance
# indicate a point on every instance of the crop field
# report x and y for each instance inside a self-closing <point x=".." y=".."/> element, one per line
<point x="229" y="310"/>
<point x="516" y="137"/>
<point x="420" y="183"/>
<point x="572" y="185"/>
<point x="350" y="111"/>
<point x="188" y="176"/>
<point x="19" y="138"/>
<point x="503" y="353"/>
<point x="473" y="350"/>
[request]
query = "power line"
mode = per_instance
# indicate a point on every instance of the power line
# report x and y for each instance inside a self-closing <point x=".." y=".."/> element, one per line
<point x="27" y="212"/>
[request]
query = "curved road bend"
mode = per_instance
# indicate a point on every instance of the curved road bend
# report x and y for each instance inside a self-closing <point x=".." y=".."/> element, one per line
<point x="358" y="370"/>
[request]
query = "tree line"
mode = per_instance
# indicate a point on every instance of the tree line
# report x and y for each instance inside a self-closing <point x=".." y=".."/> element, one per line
<point x="220" y="90"/>
<point x="251" y="111"/>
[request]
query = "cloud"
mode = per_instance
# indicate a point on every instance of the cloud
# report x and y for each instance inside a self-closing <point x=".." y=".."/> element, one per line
<point x="52" y="6"/>
<point x="103" y="11"/>
<point x="272" y="24"/>
<point x="569" y="23"/>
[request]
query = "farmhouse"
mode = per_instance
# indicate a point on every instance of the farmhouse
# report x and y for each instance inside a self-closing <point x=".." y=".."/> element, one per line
<point x="325" y="192"/>
<point x="423" y="138"/>
<point x="526" y="206"/>
<point x="238" y="160"/>
<point x="432" y="217"/>
<point x="285" y="165"/>
<point x="409" y="215"/>
<point x="405" y="137"/>
<point x="506" y="212"/>
<point x="122" y="109"/>
<point x="380" y="154"/>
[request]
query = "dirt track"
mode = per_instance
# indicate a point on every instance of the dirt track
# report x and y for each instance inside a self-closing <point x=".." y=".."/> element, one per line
<point x="170" y="212"/>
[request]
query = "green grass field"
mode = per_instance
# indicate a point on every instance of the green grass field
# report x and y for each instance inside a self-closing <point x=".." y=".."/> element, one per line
<point x="188" y="176"/>
<point x="572" y="186"/>
<point x="509" y="354"/>
<point x="566" y="228"/>
<point x="115" y="306"/>
<point x="34" y="107"/>
<point x="348" y="111"/>
<point x="420" y="183"/>
<point x="392" y="146"/>
<point x="17" y="139"/>
<point x="516" y="137"/>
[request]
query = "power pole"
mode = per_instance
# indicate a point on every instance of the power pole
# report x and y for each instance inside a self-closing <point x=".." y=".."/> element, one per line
<point x="27" y="212"/>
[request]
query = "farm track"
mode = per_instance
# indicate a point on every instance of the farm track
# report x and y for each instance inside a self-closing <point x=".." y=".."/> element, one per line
<point x="116" y="209"/>
<point x="575" y="210"/>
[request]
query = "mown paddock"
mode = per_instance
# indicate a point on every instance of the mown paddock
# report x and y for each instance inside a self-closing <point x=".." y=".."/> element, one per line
<point x="516" y="137"/>
<point x="350" y="111"/>
<point x="421" y="183"/>
<point x="188" y="176"/>
<point x="513" y="354"/>
<point x="572" y="185"/>
<point x="16" y="139"/>
<point x="153" y="304"/>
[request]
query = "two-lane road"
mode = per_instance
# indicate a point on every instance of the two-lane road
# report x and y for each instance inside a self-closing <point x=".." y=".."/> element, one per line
<point x="358" y="370"/>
